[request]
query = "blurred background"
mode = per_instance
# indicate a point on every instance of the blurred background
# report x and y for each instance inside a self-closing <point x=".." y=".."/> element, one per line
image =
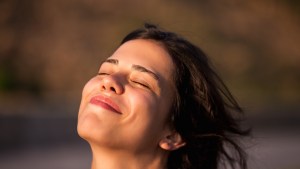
<point x="49" y="49"/>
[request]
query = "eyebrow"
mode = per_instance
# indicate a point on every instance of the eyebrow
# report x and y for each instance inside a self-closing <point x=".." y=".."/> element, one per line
<point x="112" y="61"/>
<point x="134" y="67"/>
<point x="143" y="69"/>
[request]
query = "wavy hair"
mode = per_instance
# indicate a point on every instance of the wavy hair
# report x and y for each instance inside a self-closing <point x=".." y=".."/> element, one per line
<point x="203" y="110"/>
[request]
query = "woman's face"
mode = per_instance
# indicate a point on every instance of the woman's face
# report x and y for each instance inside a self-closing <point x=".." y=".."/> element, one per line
<point x="127" y="104"/>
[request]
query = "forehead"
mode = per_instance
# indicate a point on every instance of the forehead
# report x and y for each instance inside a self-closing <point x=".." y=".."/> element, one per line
<point x="147" y="53"/>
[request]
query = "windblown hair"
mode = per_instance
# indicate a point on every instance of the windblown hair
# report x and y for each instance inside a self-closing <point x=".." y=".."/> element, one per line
<point x="203" y="109"/>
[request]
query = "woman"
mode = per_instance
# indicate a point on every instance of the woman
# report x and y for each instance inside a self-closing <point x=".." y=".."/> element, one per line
<point x="156" y="103"/>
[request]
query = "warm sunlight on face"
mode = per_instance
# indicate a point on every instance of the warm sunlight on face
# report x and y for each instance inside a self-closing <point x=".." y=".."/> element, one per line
<point x="127" y="104"/>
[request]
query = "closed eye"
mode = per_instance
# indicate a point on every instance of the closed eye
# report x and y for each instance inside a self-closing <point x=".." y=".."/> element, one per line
<point x="141" y="84"/>
<point x="102" y="73"/>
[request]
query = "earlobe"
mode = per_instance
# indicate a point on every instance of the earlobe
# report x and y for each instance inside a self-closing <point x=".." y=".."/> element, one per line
<point x="171" y="142"/>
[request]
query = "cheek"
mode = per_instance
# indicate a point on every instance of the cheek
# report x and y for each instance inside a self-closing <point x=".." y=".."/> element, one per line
<point x="148" y="124"/>
<point x="151" y="107"/>
<point x="143" y="102"/>
<point x="90" y="86"/>
<point x="147" y="113"/>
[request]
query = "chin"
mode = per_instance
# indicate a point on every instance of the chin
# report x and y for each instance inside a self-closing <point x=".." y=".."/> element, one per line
<point x="86" y="125"/>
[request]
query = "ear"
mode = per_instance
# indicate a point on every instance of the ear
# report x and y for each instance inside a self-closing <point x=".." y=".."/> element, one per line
<point x="172" y="141"/>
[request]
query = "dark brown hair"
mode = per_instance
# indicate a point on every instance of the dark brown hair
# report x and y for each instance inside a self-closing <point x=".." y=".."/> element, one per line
<point x="203" y="110"/>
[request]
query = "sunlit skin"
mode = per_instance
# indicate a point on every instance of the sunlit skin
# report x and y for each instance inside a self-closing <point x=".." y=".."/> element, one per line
<point x="125" y="108"/>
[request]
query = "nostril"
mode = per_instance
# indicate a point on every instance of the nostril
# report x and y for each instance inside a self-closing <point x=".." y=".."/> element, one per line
<point x="111" y="84"/>
<point x="113" y="89"/>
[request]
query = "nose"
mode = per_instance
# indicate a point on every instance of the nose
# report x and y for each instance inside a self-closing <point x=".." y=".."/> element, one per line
<point x="112" y="83"/>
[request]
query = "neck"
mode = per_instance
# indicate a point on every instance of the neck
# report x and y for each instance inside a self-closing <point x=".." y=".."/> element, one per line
<point x="122" y="159"/>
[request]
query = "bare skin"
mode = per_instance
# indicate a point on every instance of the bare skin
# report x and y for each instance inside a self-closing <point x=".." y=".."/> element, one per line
<point x="124" y="109"/>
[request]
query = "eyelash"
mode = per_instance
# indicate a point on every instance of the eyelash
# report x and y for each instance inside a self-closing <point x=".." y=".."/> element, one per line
<point x="102" y="73"/>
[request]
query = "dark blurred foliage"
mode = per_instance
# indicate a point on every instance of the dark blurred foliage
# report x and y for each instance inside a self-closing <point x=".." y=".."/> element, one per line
<point x="49" y="49"/>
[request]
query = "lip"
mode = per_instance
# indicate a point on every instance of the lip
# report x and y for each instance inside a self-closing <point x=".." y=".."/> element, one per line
<point x="105" y="103"/>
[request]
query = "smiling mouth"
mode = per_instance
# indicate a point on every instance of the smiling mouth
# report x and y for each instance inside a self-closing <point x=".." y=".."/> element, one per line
<point x="105" y="103"/>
